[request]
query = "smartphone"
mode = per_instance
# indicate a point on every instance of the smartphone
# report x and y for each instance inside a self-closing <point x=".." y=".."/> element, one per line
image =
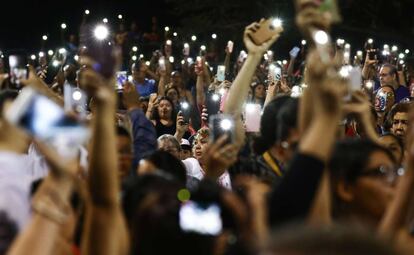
<point x="268" y="29"/>
<point x="18" y="68"/>
<point x="222" y="124"/>
<point x="230" y="45"/>
<point x="372" y="54"/>
<point x="161" y="64"/>
<point x="101" y="50"/>
<point x="186" y="49"/>
<point x="294" y="52"/>
<point x="75" y="100"/>
<point x="252" y="115"/>
<point x="185" y="109"/>
<point x="275" y="72"/>
<point x="47" y="121"/>
<point x="221" y="73"/>
<point x="201" y="218"/>
<point x="121" y="78"/>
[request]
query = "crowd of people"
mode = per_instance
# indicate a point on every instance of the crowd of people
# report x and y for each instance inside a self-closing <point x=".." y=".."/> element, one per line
<point x="207" y="155"/>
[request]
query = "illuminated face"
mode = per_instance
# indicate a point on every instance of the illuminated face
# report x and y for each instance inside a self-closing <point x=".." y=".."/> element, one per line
<point x="165" y="109"/>
<point x="260" y="91"/>
<point x="384" y="99"/>
<point x="400" y="124"/>
<point x="386" y="78"/>
<point x="200" y="144"/>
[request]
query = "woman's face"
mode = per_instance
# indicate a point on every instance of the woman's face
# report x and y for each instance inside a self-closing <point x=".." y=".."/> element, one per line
<point x="200" y="146"/>
<point x="374" y="188"/>
<point x="173" y="95"/>
<point x="165" y="109"/>
<point x="260" y="91"/>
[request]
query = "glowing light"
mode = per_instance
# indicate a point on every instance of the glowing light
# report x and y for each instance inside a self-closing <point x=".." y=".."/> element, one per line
<point x="77" y="95"/>
<point x="185" y="105"/>
<point x="347" y="46"/>
<point x="141" y="56"/>
<point x="394" y="48"/>
<point x="175" y="34"/>
<point x="101" y="32"/>
<point x="135" y="49"/>
<point x="119" y="16"/>
<point x="167" y="29"/>
<point x="105" y="20"/>
<point x="44" y="38"/>
<point x="407" y="51"/>
<point x="186" y="45"/>
<point x="50" y="52"/>
<point x="171" y="59"/>
<point x="134" y="58"/>
<point x="359" y="53"/>
<point x="183" y="62"/>
<point x="76" y="58"/>
<point x="63" y="26"/>
<point x="62" y="51"/>
<point x="370" y="41"/>
<point x="226" y="124"/>
<point x="215" y="97"/>
<point x="284" y="62"/>
<point x="303" y="42"/>
<point x="87" y="12"/>
<point x="214" y="36"/>
<point x="340" y="41"/>
<point x="401" y="62"/>
<point x="321" y="37"/>
<point x="33" y="57"/>
<point x="41" y="54"/>
<point x="55" y="63"/>
<point x="168" y="42"/>
<point x="203" y="47"/>
<point x="401" y="55"/>
<point x="193" y="38"/>
<point x="369" y="84"/>
<point x="147" y="63"/>
<point x="277" y="22"/>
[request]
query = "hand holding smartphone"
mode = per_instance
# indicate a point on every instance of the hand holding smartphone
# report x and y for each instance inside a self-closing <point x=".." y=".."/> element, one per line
<point x="266" y="31"/>
<point x="18" y="68"/>
<point x="222" y="124"/>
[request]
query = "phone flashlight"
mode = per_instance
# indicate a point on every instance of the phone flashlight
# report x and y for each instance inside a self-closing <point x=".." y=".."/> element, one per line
<point x="215" y="97"/>
<point x="168" y="42"/>
<point x="321" y="37"/>
<point x="167" y="29"/>
<point x="340" y="42"/>
<point x="303" y="42"/>
<point x="44" y="38"/>
<point x="87" y="12"/>
<point x="359" y="54"/>
<point x="370" y="41"/>
<point x="214" y="36"/>
<point x="276" y="22"/>
<point x="401" y="55"/>
<point x="193" y="38"/>
<point x="226" y="124"/>
<point x="369" y="84"/>
<point x="203" y="47"/>
<point x="134" y="48"/>
<point x="76" y="95"/>
<point x="407" y="51"/>
<point x="230" y="45"/>
<point x="171" y="59"/>
<point x="101" y="32"/>
<point x="394" y="48"/>
<point x="120" y="16"/>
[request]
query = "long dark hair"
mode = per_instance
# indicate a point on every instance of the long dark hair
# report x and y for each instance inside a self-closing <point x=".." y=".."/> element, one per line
<point x="155" y="115"/>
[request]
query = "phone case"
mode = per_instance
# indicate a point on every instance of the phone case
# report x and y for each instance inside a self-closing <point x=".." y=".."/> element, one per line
<point x="264" y="33"/>
<point x="253" y="115"/>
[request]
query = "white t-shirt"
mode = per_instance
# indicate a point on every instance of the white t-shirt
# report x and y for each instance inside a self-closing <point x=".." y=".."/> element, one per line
<point x="194" y="169"/>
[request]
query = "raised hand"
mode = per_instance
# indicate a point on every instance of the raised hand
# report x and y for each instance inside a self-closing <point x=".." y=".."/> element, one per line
<point x="259" y="49"/>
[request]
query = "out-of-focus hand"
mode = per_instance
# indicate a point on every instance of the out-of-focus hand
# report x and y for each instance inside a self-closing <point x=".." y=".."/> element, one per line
<point x="258" y="49"/>
<point x="181" y="126"/>
<point x="130" y="97"/>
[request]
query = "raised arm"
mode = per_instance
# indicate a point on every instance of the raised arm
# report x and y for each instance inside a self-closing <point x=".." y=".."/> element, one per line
<point x="240" y="89"/>
<point x="105" y="229"/>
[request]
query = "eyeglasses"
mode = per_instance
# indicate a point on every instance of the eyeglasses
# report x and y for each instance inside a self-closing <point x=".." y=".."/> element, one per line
<point x="387" y="174"/>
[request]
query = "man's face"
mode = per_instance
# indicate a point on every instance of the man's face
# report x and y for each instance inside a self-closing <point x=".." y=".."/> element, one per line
<point x="185" y="154"/>
<point x="400" y="124"/>
<point x="138" y="74"/>
<point x="386" y="78"/>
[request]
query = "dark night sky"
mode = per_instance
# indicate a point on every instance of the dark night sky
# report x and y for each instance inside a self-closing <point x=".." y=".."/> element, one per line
<point x="22" y="22"/>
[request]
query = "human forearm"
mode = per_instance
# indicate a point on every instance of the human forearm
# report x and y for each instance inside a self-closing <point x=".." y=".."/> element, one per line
<point x="200" y="97"/>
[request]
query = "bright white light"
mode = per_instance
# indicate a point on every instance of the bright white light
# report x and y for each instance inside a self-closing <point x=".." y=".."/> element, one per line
<point x="171" y="59"/>
<point x="87" y="12"/>
<point x="119" y="16"/>
<point x="394" y="48"/>
<point x="284" y="62"/>
<point x="359" y="53"/>
<point x="185" y="105"/>
<point x="193" y="38"/>
<point x="277" y="22"/>
<point x="303" y="42"/>
<point x="141" y="55"/>
<point x="226" y="124"/>
<point x="370" y="41"/>
<point x="402" y="62"/>
<point x="321" y="37"/>
<point x="167" y="29"/>
<point x="346" y="55"/>
<point x="33" y="57"/>
<point x="214" y="36"/>
<point x="250" y="108"/>
<point x="101" y="32"/>
<point x="105" y="20"/>
<point x="407" y="51"/>
<point x="344" y="72"/>
<point x="147" y="63"/>
<point x="347" y="46"/>
<point x="279" y="62"/>
<point x="134" y="58"/>
<point x="55" y="63"/>
<point x="77" y="95"/>
<point x="266" y="57"/>
<point x="203" y="47"/>
<point x="44" y="38"/>
<point x="385" y="53"/>
<point x="50" y="52"/>
<point x="62" y="51"/>
<point x="190" y="60"/>
<point x="63" y="26"/>
<point x="296" y="91"/>
<point x="168" y="42"/>
<point x="186" y="45"/>
<point x="76" y="58"/>
<point x="369" y="84"/>
<point x="401" y="55"/>
<point x="175" y="34"/>
<point x="135" y="49"/>
<point x="340" y="41"/>
<point x="270" y="53"/>
<point x="386" y="47"/>
<point x="41" y="54"/>
<point x="215" y="97"/>
<point x="183" y="62"/>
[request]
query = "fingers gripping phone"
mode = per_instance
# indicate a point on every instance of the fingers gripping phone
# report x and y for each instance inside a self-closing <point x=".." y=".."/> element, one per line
<point x="268" y="28"/>
<point x="186" y="111"/>
<point x="47" y="121"/>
